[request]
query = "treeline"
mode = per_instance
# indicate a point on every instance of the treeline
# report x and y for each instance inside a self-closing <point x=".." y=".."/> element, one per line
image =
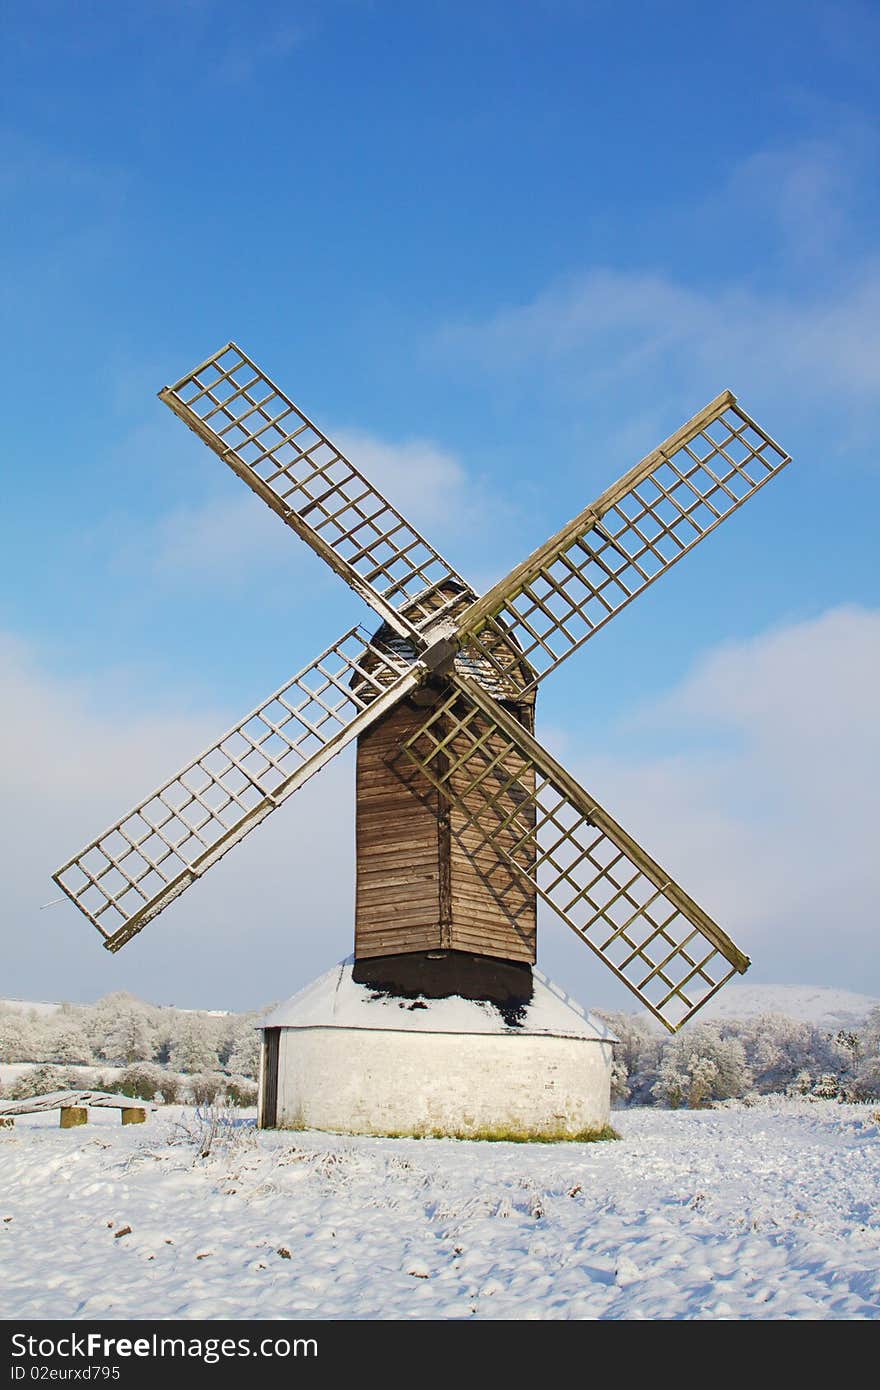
<point x="164" y="1053"/>
<point x="736" y="1058"/>
<point x="176" y="1055"/>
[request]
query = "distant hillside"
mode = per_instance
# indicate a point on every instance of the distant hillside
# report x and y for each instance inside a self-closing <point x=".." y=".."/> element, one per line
<point x="820" y="1004"/>
<point x="45" y="1006"/>
<point x="28" y="1006"/>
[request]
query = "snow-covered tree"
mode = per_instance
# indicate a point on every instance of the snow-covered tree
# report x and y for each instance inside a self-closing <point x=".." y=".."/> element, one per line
<point x="700" y="1065"/>
<point x="193" y="1046"/>
<point x="703" y="1073"/>
<point x="636" y="1056"/>
<point x="671" y="1087"/>
<point x="779" y="1049"/>
<point x="240" y="1090"/>
<point x="123" y="1029"/>
<point x="865" y="1083"/>
<point x="65" y="1038"/>
<point x="870" y="1032"/>
<point x="205" y="1087"/>
<point x="170" y="1087"/>
<point x="620" y="1087"/>
<point x="130" y="1039"/>
<point x="143" y="1080"/>
<point x="19" y="1038"/>
<point x="245" y="1039"/>
<point x="800" y="1085"/>
<point x="42" y="1080"/>
<point x="826" y="1086"/>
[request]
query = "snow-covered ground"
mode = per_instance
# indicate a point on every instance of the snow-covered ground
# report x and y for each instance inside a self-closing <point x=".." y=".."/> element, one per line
<point x="765" y="1212"/>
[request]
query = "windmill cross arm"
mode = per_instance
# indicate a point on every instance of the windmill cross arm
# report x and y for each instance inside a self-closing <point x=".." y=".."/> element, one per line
<point x="308" y="482"/>
<point x="575" y="583"/>
<point x="514" y="798"/>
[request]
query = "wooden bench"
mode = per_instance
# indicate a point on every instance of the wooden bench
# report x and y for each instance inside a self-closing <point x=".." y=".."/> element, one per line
<point x="74" y="1107"/>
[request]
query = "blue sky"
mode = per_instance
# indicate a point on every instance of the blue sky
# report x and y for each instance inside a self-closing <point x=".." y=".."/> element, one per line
<point x="498" y="251"/>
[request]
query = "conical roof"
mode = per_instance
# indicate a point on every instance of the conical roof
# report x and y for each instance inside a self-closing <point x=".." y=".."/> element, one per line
<point x="335" y="1000"/>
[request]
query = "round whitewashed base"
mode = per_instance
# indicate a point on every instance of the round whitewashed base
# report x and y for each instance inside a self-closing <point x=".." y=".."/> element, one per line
<point x="352" y="1062"/>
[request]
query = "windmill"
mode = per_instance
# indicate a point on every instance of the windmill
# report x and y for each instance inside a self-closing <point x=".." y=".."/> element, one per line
<point x="464" y="820"/>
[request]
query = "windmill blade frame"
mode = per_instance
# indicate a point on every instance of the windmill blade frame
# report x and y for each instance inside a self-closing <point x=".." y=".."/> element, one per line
<point x="519" y="819"/>
<point x="552" y="603"/>
<point x="132" y="871"/>
<point x="248" y="421"/>
<point x="616" y="898"/>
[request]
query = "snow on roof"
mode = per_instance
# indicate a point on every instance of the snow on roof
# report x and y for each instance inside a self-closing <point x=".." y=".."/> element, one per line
<point x="334" y="1000"/>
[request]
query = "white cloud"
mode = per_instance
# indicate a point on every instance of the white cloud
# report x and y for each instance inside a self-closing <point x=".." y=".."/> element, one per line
<point x="807" y="192"/>
<point x="763" y="800"/>
<point x="426" y="483"/>
<point x="618" y="323"/>
<point x="799" y="324"/>
<point x="223" y="539"/>
<point x="196" y="524"/>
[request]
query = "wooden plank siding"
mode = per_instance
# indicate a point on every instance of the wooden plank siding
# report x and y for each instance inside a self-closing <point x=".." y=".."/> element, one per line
<point x="397" y="896"/>
<point x="494" y="910"/>
<point x="423" y="882"/>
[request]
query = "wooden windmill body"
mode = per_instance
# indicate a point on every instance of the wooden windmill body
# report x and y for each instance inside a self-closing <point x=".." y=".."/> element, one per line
<point x="435" y="908"/>
<point x="464" y="820"/>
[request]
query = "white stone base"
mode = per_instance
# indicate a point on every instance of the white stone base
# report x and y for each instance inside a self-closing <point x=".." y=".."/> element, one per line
<point x="352" y="1063"/>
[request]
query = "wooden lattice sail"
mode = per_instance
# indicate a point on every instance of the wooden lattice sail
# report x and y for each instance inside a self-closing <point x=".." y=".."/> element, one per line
<point x="464" y="820"/>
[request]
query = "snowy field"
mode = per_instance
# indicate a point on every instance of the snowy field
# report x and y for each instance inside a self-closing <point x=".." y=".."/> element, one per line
<point x="766" y="1212"/>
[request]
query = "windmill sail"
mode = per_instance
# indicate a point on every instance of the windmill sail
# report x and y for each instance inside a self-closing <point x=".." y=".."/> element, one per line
<point x="138" y="866"/>
<point x="258" y="431"/>
<point x="574" y="584"/>
<point x="522" y="827"/>
<point x="541" y="823"/>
